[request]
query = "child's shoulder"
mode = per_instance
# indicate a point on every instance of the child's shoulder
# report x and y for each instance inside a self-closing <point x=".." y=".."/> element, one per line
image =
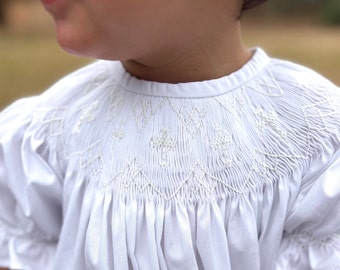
<point x="297" y="87"/>
<point x="70" y="91"/>
<point x="298" y="77"/>
<point x="77" y="85"/>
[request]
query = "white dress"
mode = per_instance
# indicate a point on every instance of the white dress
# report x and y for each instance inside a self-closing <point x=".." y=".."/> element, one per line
<point x="105" y="171"/>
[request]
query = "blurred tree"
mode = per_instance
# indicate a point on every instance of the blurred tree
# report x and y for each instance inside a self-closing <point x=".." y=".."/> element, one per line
<point x="3" y="7"/>
<point x="295" y="6"/>
<point x="329" y="10"/>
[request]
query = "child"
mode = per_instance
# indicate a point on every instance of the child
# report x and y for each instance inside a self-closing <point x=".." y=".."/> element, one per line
<point x="191" y="152"/>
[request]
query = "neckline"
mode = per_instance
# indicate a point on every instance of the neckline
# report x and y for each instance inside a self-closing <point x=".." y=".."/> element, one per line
<point x="198" y="89"/>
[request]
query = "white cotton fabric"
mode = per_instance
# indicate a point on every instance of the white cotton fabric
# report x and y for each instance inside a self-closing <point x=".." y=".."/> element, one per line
<point x="105" y="171"/>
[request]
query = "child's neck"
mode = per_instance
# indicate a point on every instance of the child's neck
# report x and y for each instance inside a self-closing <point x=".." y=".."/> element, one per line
<point x="208" y="58"/>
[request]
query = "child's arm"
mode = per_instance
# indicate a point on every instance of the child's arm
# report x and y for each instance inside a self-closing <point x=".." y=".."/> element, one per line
<point x="312" y="230"/>
<point x="30" y="190"/>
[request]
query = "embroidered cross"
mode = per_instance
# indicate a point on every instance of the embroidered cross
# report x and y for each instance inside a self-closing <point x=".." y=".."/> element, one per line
<point x="165" y="144"/>
<point x="222" y="141"/>
<point x="269" y="119"/>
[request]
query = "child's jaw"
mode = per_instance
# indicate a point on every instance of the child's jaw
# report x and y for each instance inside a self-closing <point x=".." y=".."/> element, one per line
<point x="200" y="39"/>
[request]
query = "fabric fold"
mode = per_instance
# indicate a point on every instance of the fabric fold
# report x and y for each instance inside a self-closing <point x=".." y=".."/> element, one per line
<point x="303" y="252"/>
<point x="29" y="190"/>
<point x="105" y="171"/>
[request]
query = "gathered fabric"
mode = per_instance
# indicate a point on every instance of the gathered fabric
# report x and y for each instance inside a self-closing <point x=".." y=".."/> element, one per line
<point x="106" y="171"/>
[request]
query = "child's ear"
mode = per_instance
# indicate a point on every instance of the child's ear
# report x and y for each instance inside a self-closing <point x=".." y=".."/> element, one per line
<point x="251" y="3"/>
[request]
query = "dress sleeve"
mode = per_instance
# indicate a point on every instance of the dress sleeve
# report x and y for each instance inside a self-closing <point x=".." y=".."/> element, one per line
<point x="30" y="191"/>
<point x="312" y="231"/>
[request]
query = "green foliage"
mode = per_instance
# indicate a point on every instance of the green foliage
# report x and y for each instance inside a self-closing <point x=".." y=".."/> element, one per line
<point x="331" y="11"/>
<point x="294" y="6"/>
<point x="328" y="10"/>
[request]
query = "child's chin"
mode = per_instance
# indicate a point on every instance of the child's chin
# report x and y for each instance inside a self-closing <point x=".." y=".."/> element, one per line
<point x="74" y="42"/>
<point x="71" y="49"/>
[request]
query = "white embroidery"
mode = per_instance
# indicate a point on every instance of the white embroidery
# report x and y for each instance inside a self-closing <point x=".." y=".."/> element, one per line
<point x="202" y="184"/>
<point x="234" y="104"/>
<point x="304" y="239"/>
<point x="198" y="183"/>
<point x="54" y="117"/>
<point x="191" y="114"/>
<point x="165" y="144"/>
<point x="222" y="142"/>
<point x="100" y="81"/>
<point x="269" y="120"/>
<point x="91" y="159"/>
<point x="116" y="103"/>
<point x="263" y="163"/>
<point x="131" y="179"/>
<point x="180" y="132"/>
<point x="144" y="109"/>
<point x="315" y="114"/>
<point x="117" y="135"/>
<point x="87" y="114"/>
<point x="267" y="85"/>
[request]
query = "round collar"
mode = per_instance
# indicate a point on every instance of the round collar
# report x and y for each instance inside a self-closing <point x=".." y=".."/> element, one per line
<point x="198" y="89"/>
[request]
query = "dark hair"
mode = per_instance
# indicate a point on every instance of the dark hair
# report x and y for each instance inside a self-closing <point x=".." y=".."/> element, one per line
<point x="251" y="3"/>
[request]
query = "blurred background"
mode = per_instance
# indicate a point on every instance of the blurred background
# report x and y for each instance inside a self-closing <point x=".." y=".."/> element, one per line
<point x="304" y="31"/>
